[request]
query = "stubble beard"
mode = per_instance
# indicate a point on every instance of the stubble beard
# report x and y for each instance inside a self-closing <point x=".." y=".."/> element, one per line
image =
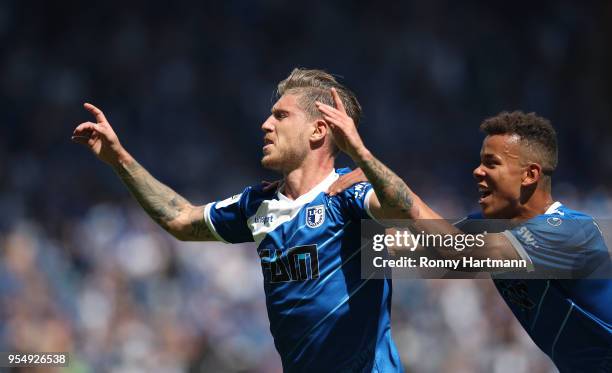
<point x="282" y="164"/>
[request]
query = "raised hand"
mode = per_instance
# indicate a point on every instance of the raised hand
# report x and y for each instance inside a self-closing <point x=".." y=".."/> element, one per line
<point x="345" y="132"/>
<point x="99" y="137"/>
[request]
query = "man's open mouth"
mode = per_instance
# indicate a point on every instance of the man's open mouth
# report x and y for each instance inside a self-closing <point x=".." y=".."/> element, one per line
<point x="484" y="193"/>
<point x="267" y="142"/>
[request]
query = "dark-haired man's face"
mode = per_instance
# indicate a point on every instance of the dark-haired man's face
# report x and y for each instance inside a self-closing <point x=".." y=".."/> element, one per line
<point x="499" y="176"/>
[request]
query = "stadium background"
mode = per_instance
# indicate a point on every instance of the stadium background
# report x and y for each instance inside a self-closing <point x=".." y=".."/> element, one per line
<point x="186" y="87"/>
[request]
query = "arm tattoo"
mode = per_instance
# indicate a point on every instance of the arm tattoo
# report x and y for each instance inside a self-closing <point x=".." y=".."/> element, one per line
<point x="162" y="203"/>
<point x="391" y="191"/>
<point x="198" y="228"/>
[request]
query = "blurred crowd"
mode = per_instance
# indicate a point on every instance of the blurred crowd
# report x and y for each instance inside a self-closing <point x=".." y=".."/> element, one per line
<point x="186" y="87"/>
<point x="121" y="296"/>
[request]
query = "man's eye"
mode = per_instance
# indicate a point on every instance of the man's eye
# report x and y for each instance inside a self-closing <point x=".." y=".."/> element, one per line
<point x="280" y="115"/>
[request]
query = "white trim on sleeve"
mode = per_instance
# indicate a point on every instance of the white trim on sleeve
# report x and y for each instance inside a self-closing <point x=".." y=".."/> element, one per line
<point x="387" y="223"/>
<point x="366" y="203"/>
<point x="210" y="224"/>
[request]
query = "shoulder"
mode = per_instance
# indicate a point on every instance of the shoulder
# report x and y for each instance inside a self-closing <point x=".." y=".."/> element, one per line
<point x="253" y="196"/>
<point x="248" y="200"/>
<point x="354" y="192"/>
<point x="354" y="200"/>
<point x="260" y="192"/>
<point x="357" y="190"/>
<point x="562" y="220"/>
<point x="561" y="226"/>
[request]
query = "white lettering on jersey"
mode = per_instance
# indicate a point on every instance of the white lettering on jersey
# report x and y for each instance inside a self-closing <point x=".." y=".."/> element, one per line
<point x="527" y="236"/>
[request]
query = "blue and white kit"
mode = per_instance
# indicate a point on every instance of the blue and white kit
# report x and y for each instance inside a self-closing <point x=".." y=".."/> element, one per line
<point x="570" y="320"/>
<point x="323" y="316"/>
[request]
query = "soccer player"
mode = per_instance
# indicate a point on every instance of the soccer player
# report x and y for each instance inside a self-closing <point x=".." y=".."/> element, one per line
<point x="570" y="320"/>
<point x="323" y="316"/>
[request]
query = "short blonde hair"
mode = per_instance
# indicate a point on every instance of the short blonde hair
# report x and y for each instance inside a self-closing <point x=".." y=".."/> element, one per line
<point x="314" y="85"/>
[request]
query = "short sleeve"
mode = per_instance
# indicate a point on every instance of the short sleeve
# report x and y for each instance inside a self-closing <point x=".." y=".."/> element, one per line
<point x="558" y="244"/>
<point x="357" y="199"/>
<point x="227" y="220"/>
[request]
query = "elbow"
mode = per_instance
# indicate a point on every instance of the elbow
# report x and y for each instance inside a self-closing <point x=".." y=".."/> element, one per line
<point x="181" y="238"/>
<point x="405" y="210"/>
<point x="178" y="228"/>
<point x="178" y="235"/>
<point x="175" y="232"/>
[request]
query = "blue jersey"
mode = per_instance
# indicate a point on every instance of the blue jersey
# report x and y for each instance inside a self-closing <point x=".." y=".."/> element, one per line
<point x="323" y="316"/>
<point x="570" y="320"/>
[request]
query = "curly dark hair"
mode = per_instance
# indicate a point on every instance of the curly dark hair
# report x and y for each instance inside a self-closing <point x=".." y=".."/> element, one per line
<point x="536" y="134"/>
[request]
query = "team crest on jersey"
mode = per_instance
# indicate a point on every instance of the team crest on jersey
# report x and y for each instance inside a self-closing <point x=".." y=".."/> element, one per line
<point x="554" y="221"/>
<point x="315" y="216"/>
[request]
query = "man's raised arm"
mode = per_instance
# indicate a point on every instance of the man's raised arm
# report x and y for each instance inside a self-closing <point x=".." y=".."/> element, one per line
<point x="392" y="198"/>
<point x="166" y="207"/>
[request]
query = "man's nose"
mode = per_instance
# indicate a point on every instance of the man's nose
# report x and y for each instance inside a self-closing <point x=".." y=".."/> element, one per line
<point x="478" y="173"/>
<point x="267" y="125"/>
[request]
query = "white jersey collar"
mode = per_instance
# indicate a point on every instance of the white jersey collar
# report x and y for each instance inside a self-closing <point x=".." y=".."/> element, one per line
<point x="311" y="194"/>
<point x="553" y="208"/>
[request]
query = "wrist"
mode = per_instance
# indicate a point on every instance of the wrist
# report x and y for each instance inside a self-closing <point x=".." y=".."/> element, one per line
<point x="123" y="160"/>
<point x="361" y="156"/>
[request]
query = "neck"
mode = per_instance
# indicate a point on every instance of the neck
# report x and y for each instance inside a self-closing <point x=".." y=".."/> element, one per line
<point x="302" y="179"/>
<point x="539" y="202"/>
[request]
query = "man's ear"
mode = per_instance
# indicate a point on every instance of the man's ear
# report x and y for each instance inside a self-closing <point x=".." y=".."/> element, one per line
<point x="532" y="174"/>
<point x="319" y="131"/>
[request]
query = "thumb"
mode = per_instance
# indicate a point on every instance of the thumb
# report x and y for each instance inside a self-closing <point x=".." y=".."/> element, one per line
<point x="102" y="131"/>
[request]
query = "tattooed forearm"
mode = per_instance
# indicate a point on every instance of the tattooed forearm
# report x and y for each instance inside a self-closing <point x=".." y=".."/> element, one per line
<point x="391" y="191"/>
<point x="161" y="203"/>
<point x="166" y="207"/>
<point x="198" y="230"/>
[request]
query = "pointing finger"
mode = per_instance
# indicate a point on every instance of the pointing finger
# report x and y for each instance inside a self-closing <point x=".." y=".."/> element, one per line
<point x="331" y="113"/>
<point x="100" y="118"/>
<point x="338" y="100"/>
